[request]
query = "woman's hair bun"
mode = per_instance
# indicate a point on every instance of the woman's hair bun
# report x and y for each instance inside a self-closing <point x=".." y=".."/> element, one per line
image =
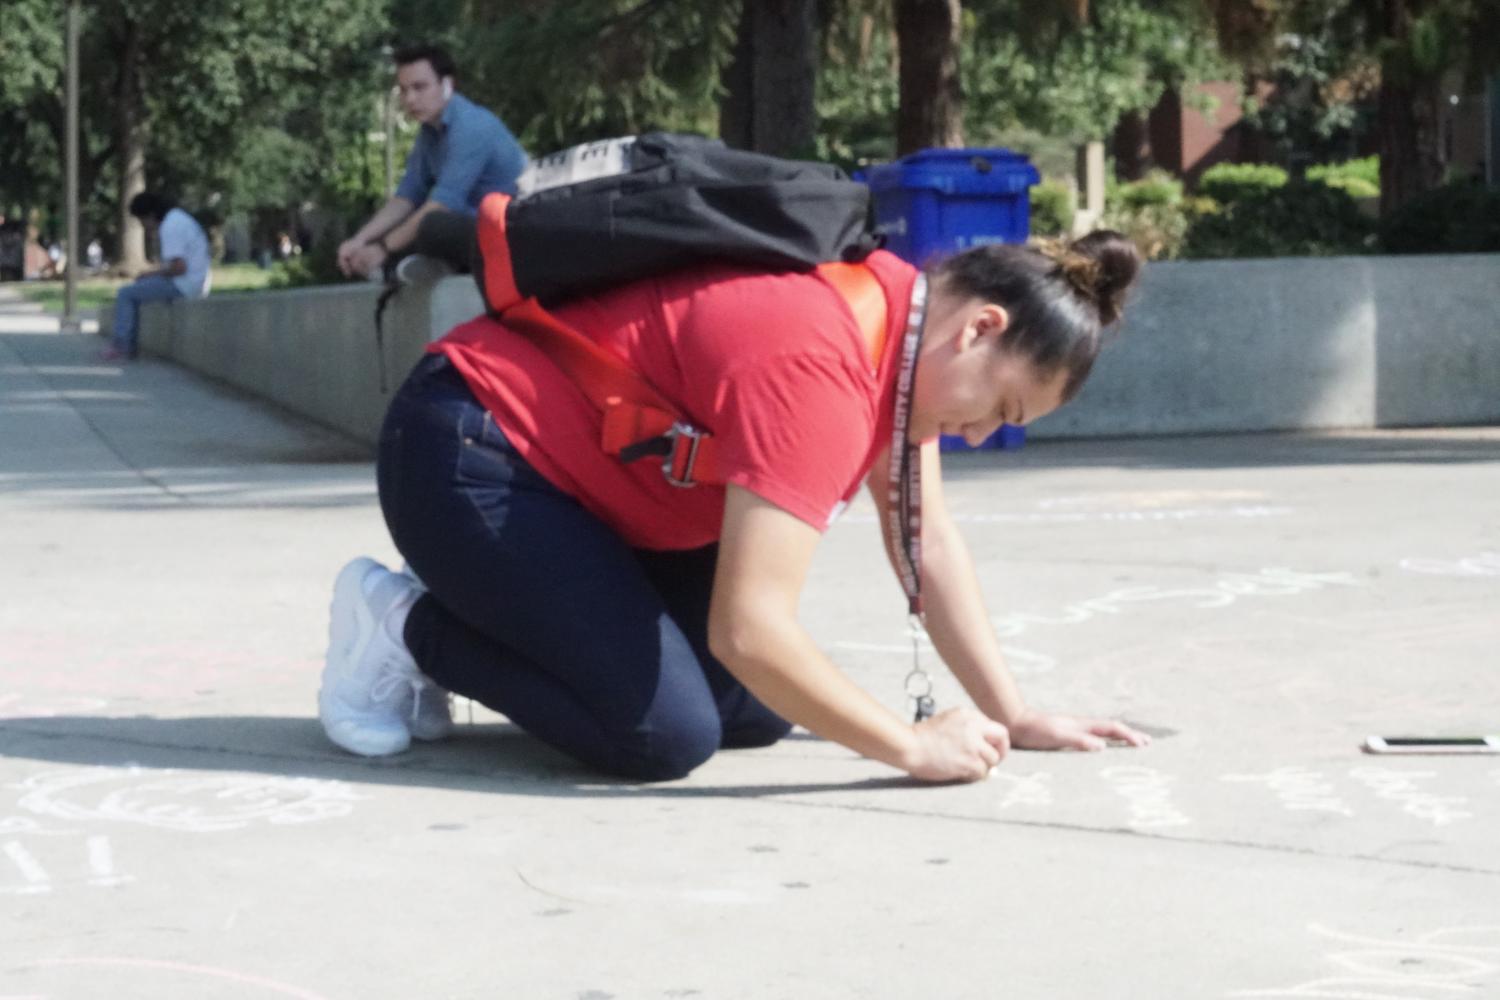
<point x="1103" y="265"/>
<point x="1058" y="294"/>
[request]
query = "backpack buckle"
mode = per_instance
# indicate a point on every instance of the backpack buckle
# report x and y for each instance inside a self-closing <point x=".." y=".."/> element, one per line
<point x="682" y="454"/>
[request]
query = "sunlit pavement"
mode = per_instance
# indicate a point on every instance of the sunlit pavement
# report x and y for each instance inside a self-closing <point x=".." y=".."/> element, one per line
<point x="174" y="825"/>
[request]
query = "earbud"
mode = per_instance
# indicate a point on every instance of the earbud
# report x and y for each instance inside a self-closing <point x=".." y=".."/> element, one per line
<point x="447" y="88"/>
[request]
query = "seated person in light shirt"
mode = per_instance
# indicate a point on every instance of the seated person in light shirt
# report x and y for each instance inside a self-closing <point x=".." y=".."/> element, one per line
<point x="184" y="271"/>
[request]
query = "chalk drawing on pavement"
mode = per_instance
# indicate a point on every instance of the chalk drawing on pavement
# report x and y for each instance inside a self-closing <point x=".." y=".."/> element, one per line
<point x="1446" y="962"/>
<point x="19" y="706"/>
<point x="1148" y="792"/>
<point x="1297" y="788"/>
<point x="1484" y="564"/>
<point x="175" y="972"/>
<point x="1401" y="787"/>
<point x="25" y="872"/>
<point x="1247" y="511"/>
<point x="1022" y="662"/>
<point x="185" y="802"/>
<point x="1265" y="583"/>
<point x="25" y="824"/>
<point x="1123" y="508"/>
<point x="1149" y="499"/>
<point x="1023" y="789"/>
<point x="1227" y="590"/>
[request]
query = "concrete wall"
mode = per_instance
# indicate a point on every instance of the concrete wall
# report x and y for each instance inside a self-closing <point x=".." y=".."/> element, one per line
<point x="1207" y="346"/>
<point x="1298" y="344"/>
<point x="312" y="350"/>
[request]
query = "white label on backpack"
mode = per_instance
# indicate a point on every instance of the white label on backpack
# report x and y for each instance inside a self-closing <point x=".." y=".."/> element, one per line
<point x="586" y="162"/>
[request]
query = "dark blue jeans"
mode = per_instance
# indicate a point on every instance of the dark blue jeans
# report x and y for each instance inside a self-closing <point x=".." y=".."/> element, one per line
<point x="128" y="301"/>
<point x="538" y="610"/>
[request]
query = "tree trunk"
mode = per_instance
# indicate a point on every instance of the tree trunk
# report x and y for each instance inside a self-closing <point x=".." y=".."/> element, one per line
<point x="736" y="107"/>
<point x="1411" y="157"/>
<point x="786" y="73"/>
<point x="770" y="83"/>
<point x="1131" y="145"/>
<point x="130" y="148"/>
<point x="931" y="111"/>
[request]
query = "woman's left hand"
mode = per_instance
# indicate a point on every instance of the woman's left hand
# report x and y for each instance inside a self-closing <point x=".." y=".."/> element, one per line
<point x="1040" y="731"/>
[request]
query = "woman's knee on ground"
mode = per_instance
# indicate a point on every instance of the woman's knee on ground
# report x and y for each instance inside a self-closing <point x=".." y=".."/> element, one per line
<point x="761" y="730"/>
<point x="667" y="751"/>
<point x="747" y="722"/>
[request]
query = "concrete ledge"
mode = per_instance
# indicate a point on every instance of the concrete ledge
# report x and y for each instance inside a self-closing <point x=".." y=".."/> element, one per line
<point x="1298" y="344"/>
<point x="1208" y="347"/>
<point x="311" y="350"/>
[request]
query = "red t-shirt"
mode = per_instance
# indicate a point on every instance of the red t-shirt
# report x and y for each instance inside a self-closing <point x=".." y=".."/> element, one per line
<point x="773" y="365"/>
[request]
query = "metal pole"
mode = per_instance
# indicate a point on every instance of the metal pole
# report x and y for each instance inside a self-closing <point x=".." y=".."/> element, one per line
<point x="389" y="127"/>
<point x="1492" y="131"/>
<point x="70" y="273"/>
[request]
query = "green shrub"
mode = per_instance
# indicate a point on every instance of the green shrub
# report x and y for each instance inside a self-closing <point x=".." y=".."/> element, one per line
<point x="1366" y="170"/>
<point x="1151" y="211"/>
<point x="1227" y="183"/>
<point x="1354" y="187"/>
<point x="1298" y="220"/>
<point x="1357" y="178"/>
<point x="319" y="267"/>
<point x="1157" y="230"/>
<point x="1156" y="188"/>
<point x="1461" y="217"/>
<point x="1052" y="208"/>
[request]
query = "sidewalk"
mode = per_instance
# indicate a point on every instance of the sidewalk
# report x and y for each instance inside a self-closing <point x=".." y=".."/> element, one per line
<point x="175" y="825"/>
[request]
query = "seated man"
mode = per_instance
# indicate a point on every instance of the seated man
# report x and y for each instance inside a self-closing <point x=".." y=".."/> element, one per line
<point x="183" y="272"/>
<point x="462" y="153"/>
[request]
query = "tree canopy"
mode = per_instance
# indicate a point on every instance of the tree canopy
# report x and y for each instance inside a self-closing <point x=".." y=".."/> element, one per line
<point x="1406" y="51"/>
<point x="246" y="105"/>
<point x="1071" y="73"/>
<point x="238" y="103"/>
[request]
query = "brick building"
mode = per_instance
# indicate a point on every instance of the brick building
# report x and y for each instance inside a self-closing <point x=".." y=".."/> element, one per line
<point x="1178" y="137"/>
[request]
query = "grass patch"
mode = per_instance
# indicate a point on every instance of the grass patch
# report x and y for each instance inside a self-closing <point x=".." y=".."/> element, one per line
<point x="99" y="293"/>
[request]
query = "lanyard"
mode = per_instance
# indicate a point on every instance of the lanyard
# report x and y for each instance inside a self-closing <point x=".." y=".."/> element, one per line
<point x="904" y="498"/>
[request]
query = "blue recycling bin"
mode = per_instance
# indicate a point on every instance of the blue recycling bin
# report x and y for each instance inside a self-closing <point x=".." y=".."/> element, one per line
<point x="940" y="201"/>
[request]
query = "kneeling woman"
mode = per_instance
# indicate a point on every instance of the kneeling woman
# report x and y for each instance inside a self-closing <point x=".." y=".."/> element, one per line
<point x="640" y="626"/>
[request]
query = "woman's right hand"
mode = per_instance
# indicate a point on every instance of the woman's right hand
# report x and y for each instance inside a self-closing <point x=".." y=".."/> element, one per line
<point x="960" y="744"/>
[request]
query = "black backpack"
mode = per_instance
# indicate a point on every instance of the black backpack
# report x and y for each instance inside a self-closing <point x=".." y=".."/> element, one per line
<point x="607" y="213"/>
<point x="648" y="205"/>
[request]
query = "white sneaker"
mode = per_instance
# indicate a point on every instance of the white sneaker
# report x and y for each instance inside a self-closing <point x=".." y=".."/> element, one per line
<point x="432" y="707"/>
<point x="369" y="677"/>
<point x="419" y="269"/>
<point x="432" y="713"/>
<point x="411" y="575"/>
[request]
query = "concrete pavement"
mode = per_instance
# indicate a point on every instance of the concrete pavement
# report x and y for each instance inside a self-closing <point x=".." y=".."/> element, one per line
<point x="173" y="824"/>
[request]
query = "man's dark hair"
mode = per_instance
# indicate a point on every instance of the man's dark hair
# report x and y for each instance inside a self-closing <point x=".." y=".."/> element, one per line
<point x="434" y="55"/>
<point x="150" y="205"/>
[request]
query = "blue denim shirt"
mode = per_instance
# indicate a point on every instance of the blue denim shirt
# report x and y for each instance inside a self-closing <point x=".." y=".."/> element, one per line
<point x="470" y="155"/>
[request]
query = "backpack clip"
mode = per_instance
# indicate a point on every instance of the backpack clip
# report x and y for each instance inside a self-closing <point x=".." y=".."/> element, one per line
<point x="680" y="461"/>
<point x="678" y="446"/>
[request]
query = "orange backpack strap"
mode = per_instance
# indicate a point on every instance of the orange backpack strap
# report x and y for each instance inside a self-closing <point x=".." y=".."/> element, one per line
<point x="638" y="422"/>
<point x="862" y="293"/>
<point x="497" y="279"/>
<point x="600" y="374"/>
